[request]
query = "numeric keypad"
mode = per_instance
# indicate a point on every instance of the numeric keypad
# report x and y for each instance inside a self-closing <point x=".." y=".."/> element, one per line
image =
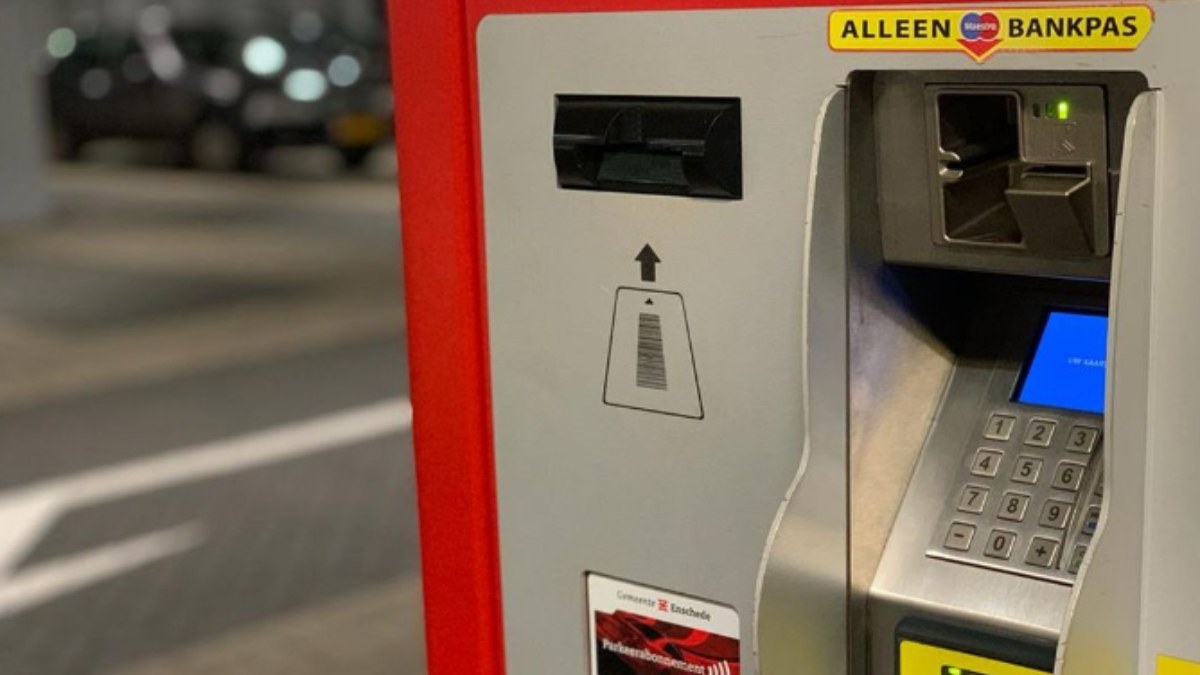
<point x="1018" y="506"/>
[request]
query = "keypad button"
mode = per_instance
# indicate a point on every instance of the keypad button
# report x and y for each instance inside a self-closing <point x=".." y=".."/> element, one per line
<point x="1091" y="521"/>
<point x="1076" y="560"/>
<point x="987" y="463"/>
<point x="1000" y="544"/>
<point x="1000" y="427"/>
<point x="1083" y="439"/>
<point x="1028" y="470"/>
<point x="1013" y="507"/>
<point x="1040" y="432"/>
<point x="1042" y="552"/>
<point x="960" y="537"/>
<point x="1069" y="476"/>
<point x="973" y="499"/>
<point x="1055" y="514"/>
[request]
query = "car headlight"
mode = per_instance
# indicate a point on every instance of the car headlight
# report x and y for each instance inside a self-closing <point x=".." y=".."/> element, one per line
<point x="62" y="43"/>
<point x="306" y="85"/>
<point x="345" y="71"/>
<point x="264" y="56"/>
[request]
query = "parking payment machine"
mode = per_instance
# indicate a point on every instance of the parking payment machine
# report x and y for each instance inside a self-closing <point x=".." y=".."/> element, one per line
<point x="768" y="337"/>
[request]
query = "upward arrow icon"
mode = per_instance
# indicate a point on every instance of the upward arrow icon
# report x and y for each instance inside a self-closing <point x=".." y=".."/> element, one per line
<point x="649" y="260"/>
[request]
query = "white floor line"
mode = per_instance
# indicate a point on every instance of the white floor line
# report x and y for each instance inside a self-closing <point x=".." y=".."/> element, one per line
<point x="235" y="455"/>
<point x="23" y="522"/>
<point x="47" y="581"/>
<point x="27" y="513"/>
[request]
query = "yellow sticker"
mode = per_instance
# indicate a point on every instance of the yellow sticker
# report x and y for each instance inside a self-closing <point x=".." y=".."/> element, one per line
<point x="1170" y="666"/>
<point x="921" y="659"/>
<point x="983" y="33"/>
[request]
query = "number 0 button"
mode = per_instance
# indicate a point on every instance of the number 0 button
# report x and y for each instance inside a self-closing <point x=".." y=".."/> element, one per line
<point x="1000" y="544"/>
<point x="987" y="463"/>
<point x="1040" y="433"/>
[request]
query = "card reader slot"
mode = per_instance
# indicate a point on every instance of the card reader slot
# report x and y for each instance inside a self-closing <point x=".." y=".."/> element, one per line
<point x="1004" y="181"/>
<point x="976" y="131"/>
<point x="978" y="154"/>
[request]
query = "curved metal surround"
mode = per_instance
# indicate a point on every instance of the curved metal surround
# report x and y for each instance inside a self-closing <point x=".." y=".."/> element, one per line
<point x="1106" y="613"/>
<point x="1172" y="536"/>
<point x="805" y="564"/>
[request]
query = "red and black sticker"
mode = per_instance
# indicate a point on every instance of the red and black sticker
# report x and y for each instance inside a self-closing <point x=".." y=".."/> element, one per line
<point x="637" y="630"/>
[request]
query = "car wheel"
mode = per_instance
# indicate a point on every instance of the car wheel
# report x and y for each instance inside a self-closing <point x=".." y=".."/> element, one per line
<point x="356" y="158"/>
<point x="217" y="146"/>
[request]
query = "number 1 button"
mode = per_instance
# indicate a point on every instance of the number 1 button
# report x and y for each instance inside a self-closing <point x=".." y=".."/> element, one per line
<point x="987" y="463"/>
<point x="1000" y="427"/>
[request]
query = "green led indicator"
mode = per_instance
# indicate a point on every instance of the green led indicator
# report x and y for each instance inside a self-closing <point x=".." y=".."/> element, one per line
<point x="1064" y="110"/>
<point x="954" y="671"/>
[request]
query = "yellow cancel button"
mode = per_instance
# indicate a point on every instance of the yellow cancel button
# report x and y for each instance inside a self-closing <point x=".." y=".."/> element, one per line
<point x="983" y="33"/>
<point x="1172" y="666"/>
<point x="917" y="658"/>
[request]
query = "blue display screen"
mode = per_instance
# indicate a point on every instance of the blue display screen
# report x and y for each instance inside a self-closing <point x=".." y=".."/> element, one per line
<point x="1068" y="367"/>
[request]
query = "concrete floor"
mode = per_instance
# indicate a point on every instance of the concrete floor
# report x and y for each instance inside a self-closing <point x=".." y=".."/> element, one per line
<point x="204" y="430"/>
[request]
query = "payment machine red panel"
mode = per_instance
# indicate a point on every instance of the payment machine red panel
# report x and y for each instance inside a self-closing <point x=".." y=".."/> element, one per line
<point x="438" y="137"/>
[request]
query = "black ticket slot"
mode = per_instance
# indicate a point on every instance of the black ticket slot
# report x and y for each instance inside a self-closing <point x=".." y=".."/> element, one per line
<point x="687" y="147"/>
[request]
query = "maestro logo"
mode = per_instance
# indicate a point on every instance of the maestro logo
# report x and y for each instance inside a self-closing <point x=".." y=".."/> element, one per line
<point x="983" y="33"/>
<point x="980" y="33"/>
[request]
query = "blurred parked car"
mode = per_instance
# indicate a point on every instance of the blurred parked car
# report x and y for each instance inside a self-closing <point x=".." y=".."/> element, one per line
<point x="223" y="99"/>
